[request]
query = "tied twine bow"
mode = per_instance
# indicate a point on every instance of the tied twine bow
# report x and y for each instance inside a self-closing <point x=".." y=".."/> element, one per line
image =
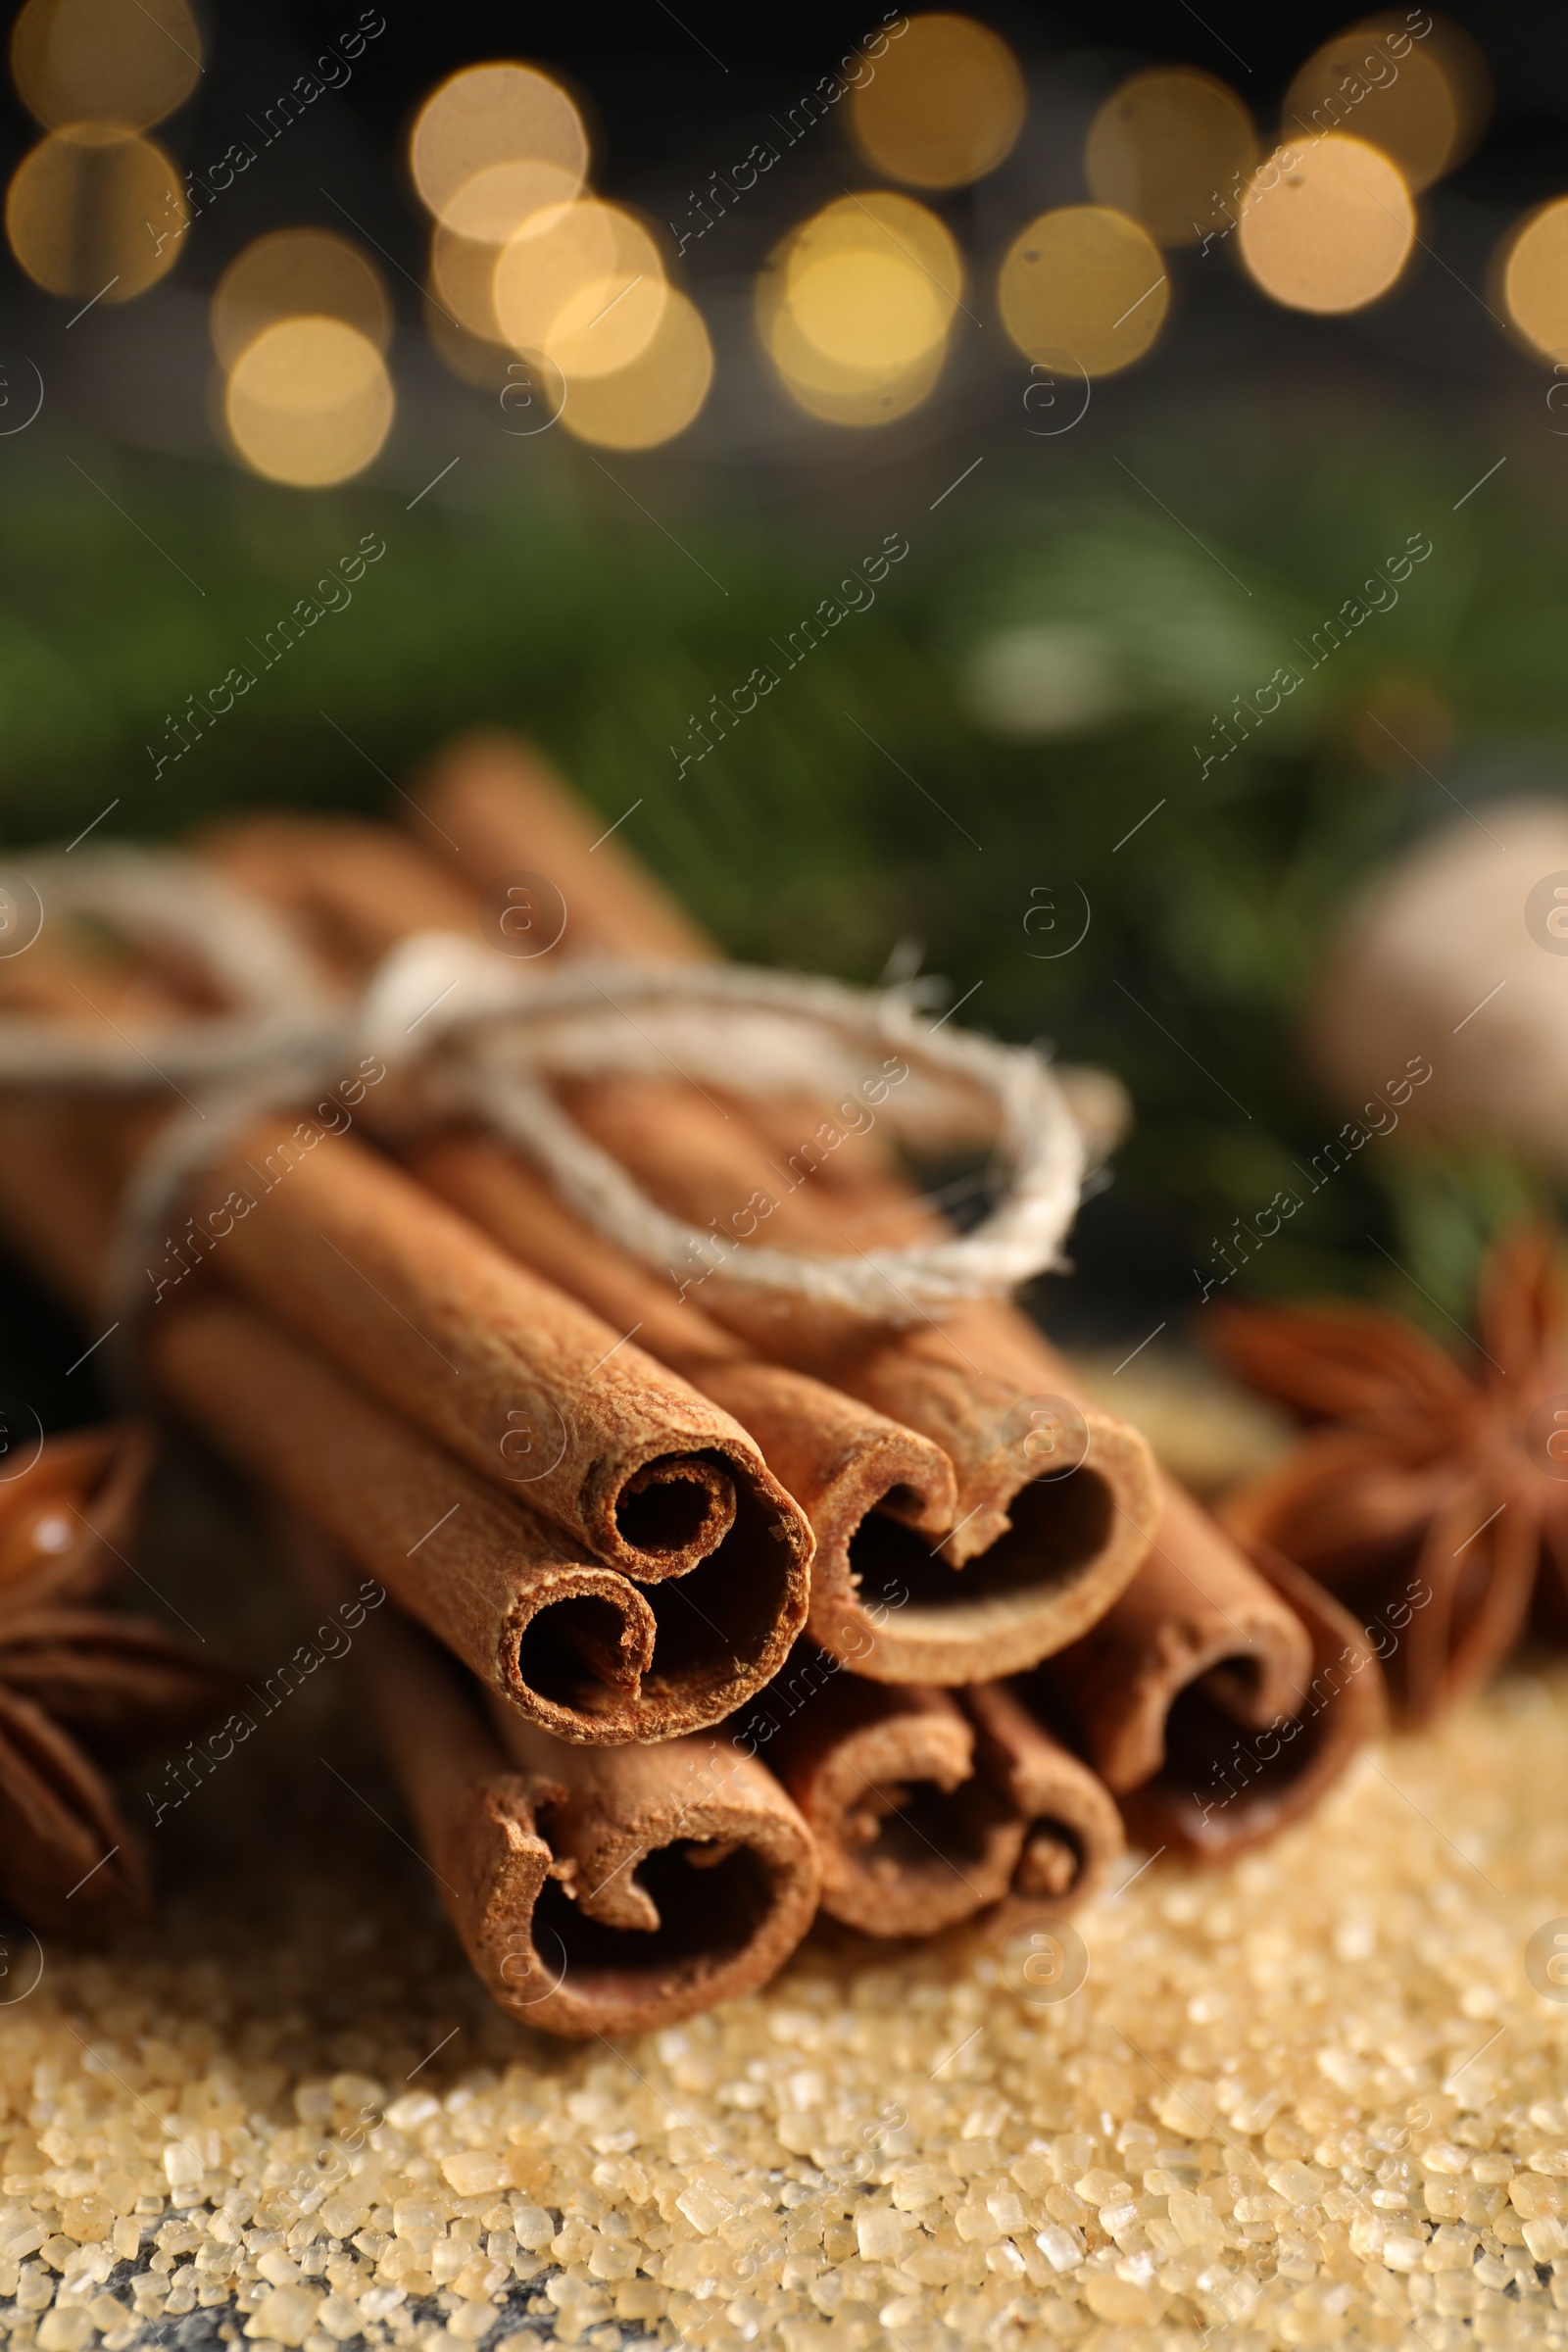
<point x="466" y="1032"/>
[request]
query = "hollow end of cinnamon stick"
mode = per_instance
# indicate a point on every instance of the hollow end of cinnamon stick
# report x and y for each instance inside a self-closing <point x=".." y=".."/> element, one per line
<point x="1072" y="1837"/>
<point x="681" y="1875"/>
<point x="1220" y="1794"/>
<point x="1220" y="1696"/>
<point x="1063" y="1555"/>
<point x="1041" y="1558"/>
<point x="661" y="1520"/>
<point x="576" y="1645"/>
<point x="1197" y="1638"/>
<point x="912" y="1839"/>
<point x="595" y="1891"/>
<point x="842" y="1462"/>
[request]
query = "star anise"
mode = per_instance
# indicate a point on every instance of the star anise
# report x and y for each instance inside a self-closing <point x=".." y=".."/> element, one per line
<point x="1433" y="1497"/>
<point x="78" y="1684"/>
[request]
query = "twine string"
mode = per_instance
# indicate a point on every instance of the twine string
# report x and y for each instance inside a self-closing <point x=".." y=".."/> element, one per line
<point x="467" y="1031"/>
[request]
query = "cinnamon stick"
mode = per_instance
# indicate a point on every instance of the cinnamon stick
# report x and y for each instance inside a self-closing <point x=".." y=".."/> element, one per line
<point x="491" y="804"/>
<point x="887" y="1543"/>
<point x="1217" y="1699"/>
<point x="930" y="1808"/>
<point x="1194" y="1614"/>
<point x="1219" y="1794"/>
<point x="518" y="1380"/>
<point x="911" y="1841"/>
<point x="574" y="1645"/>
<point x="1072" y="1830"/>
<point x="595" y="1891"/>
<point x="959" y="1382"/>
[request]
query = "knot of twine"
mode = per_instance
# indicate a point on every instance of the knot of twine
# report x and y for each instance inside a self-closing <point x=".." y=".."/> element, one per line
<point x="469" y="1032"/>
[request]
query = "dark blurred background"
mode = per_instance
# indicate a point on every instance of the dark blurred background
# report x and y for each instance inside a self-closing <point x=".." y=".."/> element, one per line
<point x="1013" y="737"/>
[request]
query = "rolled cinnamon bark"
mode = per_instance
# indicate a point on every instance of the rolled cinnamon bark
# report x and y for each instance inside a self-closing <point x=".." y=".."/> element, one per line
<point x="1217" y="1700"/>
<point x="574" y="1644"/>
<point x="1043" y="1557"/>
<point x="522" y="1382"/>
<point x="911" y="1839"/>
<point x="595" y="1891"/>
<point x="493" y="805"/>
<point x="519" y="1381"/>
<point x="1072" y="1830"/>
<point x="930" y="1808"/>
<point x="878" y="1497"/>
<point x="1219" y="1794"/>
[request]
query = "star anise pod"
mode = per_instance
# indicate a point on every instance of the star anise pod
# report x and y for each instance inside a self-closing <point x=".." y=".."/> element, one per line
<point x="79" y="1683"/>
<point x="1430" y="1493"/>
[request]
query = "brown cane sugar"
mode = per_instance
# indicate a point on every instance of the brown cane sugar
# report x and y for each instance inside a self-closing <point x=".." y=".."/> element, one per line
<point x="1318" y="2097"/>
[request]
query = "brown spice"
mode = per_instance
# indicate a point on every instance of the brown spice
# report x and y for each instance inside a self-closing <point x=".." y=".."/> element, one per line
<point x="910" y="1839"/>
<point x="79" y="1685"/>
<point x="1030" y="1589"/>
<point x="522" y="1383"/>
<point x="1220" y="1698"/>
<point x="1072" y="1837"/>
<point x="596" y="1890"/>
<point x="1195" y="1617"/>
<point x="576" y="1645"/>
<point x="1425" y="1495"/>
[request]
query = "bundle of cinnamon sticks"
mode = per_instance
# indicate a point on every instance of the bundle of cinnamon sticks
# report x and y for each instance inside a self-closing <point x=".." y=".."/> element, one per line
<point x="709" y="1609"/>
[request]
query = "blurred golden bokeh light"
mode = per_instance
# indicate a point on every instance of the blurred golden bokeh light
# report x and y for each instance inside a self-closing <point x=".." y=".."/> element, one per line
<point x="893" y="229"/>
<point x="125" y="62"/>
<point x="653" y="399"/>
<point x="309" y="402"/>
<point x="1327" y="224"/>
<point x="494" y="204"/>
<point x="854" y="307"/>
<point x="1087" y="283"/>
<point x="944" y="104"/>
<point x="295" y="272"/>
<point x="853" y="396"/>
<point x="79" y="209"/>
<point x="462" y="282"/>
<point x="1422" y="100"/>
<point x="610" y="317"/>
<point x="511" y="128"/>
<point x="1172" y="148"/>
<point x="586" y="275"/>
<point x="1533" y="279"/>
